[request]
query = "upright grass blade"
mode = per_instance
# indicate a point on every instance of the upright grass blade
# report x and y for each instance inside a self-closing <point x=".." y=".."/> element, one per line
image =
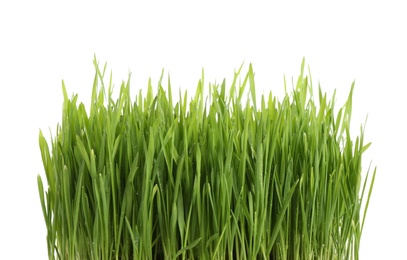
<point x="231" y="178"/>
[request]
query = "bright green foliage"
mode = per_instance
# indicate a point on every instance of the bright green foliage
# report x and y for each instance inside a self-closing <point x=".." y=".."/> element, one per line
<point x="147" y="179"/>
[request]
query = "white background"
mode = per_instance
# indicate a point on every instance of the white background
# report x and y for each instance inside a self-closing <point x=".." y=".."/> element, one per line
<point x="42" y="43"/>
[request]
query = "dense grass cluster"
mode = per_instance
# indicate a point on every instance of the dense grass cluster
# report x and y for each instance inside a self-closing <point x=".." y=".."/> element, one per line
<point x="204" y="179"/>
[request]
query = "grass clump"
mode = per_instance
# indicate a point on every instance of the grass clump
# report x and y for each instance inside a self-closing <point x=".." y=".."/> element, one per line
<point x="150" y="179"/>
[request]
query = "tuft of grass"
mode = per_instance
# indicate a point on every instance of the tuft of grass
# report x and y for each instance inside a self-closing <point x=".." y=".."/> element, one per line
<point x="150" y="179"/>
